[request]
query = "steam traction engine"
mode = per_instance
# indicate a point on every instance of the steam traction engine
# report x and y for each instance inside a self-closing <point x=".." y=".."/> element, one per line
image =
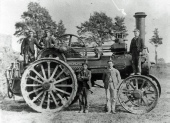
<point x="49" y="84"/>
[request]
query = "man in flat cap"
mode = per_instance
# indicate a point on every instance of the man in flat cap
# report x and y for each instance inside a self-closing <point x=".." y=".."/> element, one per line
<point x="84" y="79"/>
<point x="111" y="81"/>
<point x="136" y="48"/>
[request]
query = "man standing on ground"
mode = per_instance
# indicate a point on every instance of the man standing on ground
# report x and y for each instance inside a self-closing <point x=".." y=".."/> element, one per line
<point x="84" y="79"/>
<point x="136" y="48"/>
<point x="111" y="80"/>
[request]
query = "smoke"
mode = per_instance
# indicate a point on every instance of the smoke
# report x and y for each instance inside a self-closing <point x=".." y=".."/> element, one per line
<point x="122" y="10"/>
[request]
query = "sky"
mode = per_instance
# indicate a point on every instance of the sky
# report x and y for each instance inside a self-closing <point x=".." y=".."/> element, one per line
<point x="75" y="12"/>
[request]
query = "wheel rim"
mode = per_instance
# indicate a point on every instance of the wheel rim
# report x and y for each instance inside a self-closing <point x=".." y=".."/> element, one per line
<point x="138" y="94"/>
<point x="48" y="85"/>
<point x="51" y="53"/>
<point x="155" y="80"/>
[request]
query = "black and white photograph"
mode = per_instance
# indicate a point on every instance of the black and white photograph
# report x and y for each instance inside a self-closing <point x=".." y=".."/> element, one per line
<point x="84" y="61"/>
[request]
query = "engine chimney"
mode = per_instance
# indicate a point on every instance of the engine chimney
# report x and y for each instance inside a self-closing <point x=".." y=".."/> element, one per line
<point x="140" y="23"/>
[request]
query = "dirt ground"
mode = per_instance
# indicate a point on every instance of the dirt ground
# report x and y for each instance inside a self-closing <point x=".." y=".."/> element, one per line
<point x="19" y="112"/>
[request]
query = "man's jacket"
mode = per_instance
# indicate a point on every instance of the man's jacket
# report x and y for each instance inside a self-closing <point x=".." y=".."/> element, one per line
<point x="137" y="45"/>
<point x="48" y="43"/>
<point x="112" y="74"/>
<point x="28" y="45"/>
<point x="85" y="77"/>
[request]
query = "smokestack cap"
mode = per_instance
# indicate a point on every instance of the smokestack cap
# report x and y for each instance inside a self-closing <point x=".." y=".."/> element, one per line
<point x="140" y="14"/>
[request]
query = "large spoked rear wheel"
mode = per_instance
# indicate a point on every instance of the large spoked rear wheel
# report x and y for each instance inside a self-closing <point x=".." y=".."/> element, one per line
<point x="138" y="94"/>
<point x="48" y="85"/>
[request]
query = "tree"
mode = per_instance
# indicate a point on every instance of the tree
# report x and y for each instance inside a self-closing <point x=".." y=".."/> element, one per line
<point x="100" y="28"/>
<point x="156" y="41"/>
<point x="119" y="25"/>
<point x="60" y="29"/>
<point x="36" y="19"/>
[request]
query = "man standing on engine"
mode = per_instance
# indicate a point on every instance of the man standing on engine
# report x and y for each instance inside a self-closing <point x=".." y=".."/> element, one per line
<point x="111" y="80"/>
<point x="27" y="48"/>
<point x="48" y="41"/>
<point x="136" y="48"/>
<point x="84" y="79"/>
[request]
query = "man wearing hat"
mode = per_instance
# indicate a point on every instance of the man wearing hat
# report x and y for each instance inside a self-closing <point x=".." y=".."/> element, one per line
<point x="48" y="41"/>
<point x="111" y="80"/>
<point x="136" y="48"/>
<point x="84" y="80"/>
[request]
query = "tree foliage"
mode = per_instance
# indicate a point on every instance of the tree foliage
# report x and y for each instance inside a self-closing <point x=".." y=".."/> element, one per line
<point x="37" y="19"/>
<point x="60" y="29"/>
<point x="120" y="25"/>
<point x="100" y="28"/>
<point x="156" y="41"/>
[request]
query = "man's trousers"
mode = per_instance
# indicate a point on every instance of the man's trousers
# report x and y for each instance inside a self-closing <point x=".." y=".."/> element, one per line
<point x="136" y="62"/>
<point x="84" y="99"/>
<point x="28" y="57"/>
<point x="111" y="97"/>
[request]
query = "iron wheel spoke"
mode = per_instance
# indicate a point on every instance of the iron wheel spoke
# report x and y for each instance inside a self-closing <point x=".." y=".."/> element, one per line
<point x="152" y="99"/>
<point x="145" y="101"/>
<point x="150" y="92"/>
<point x="142" y="84"/>
<point x="33" y="85"/>
<point x="63" y="85"/>
<point x="127" y="101"/>
<point x="43" y="71"/>
<point x="55" y="70"/>
<point x="138" y="102"/>
<point x="35" y="90"/>
<point x="49" y="70"/>
<point x="62" y="91"/>
<point x="61" y="80"/>
<point x="60" y="74"/>
<point x="42" y="100"/>
<point x="35" y="79"/>
<point x="35" y="98"/>
<point x="136" y="82"/>
<point x="53" y="98"/>
<point x="62" y="99"/>
<point x="148" y="87"/>
<point x="37" y="74"/>
<point x="48" y="101"/>
<point x="131" y="85"/>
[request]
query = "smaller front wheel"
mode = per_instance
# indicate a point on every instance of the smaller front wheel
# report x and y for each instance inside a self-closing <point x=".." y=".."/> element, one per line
<point x="138" y="94"/>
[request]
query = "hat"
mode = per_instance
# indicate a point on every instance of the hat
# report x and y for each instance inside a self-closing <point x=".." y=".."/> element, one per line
<point x="84" y="64"/>
<point x="31" y="31"/>
<point x="110" y="60"/>
<point x="136" y="30"/>
<point x="47" y="30"/>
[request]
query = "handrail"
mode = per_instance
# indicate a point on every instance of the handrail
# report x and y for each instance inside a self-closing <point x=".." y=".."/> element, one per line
<point x="85" y="58"/>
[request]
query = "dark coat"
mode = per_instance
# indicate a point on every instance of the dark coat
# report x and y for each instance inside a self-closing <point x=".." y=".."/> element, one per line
<point x="27" y="45"/>
<point x="136" y="45"/>
<point x="48" y="43"/>
<point x="85" y="77"/>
